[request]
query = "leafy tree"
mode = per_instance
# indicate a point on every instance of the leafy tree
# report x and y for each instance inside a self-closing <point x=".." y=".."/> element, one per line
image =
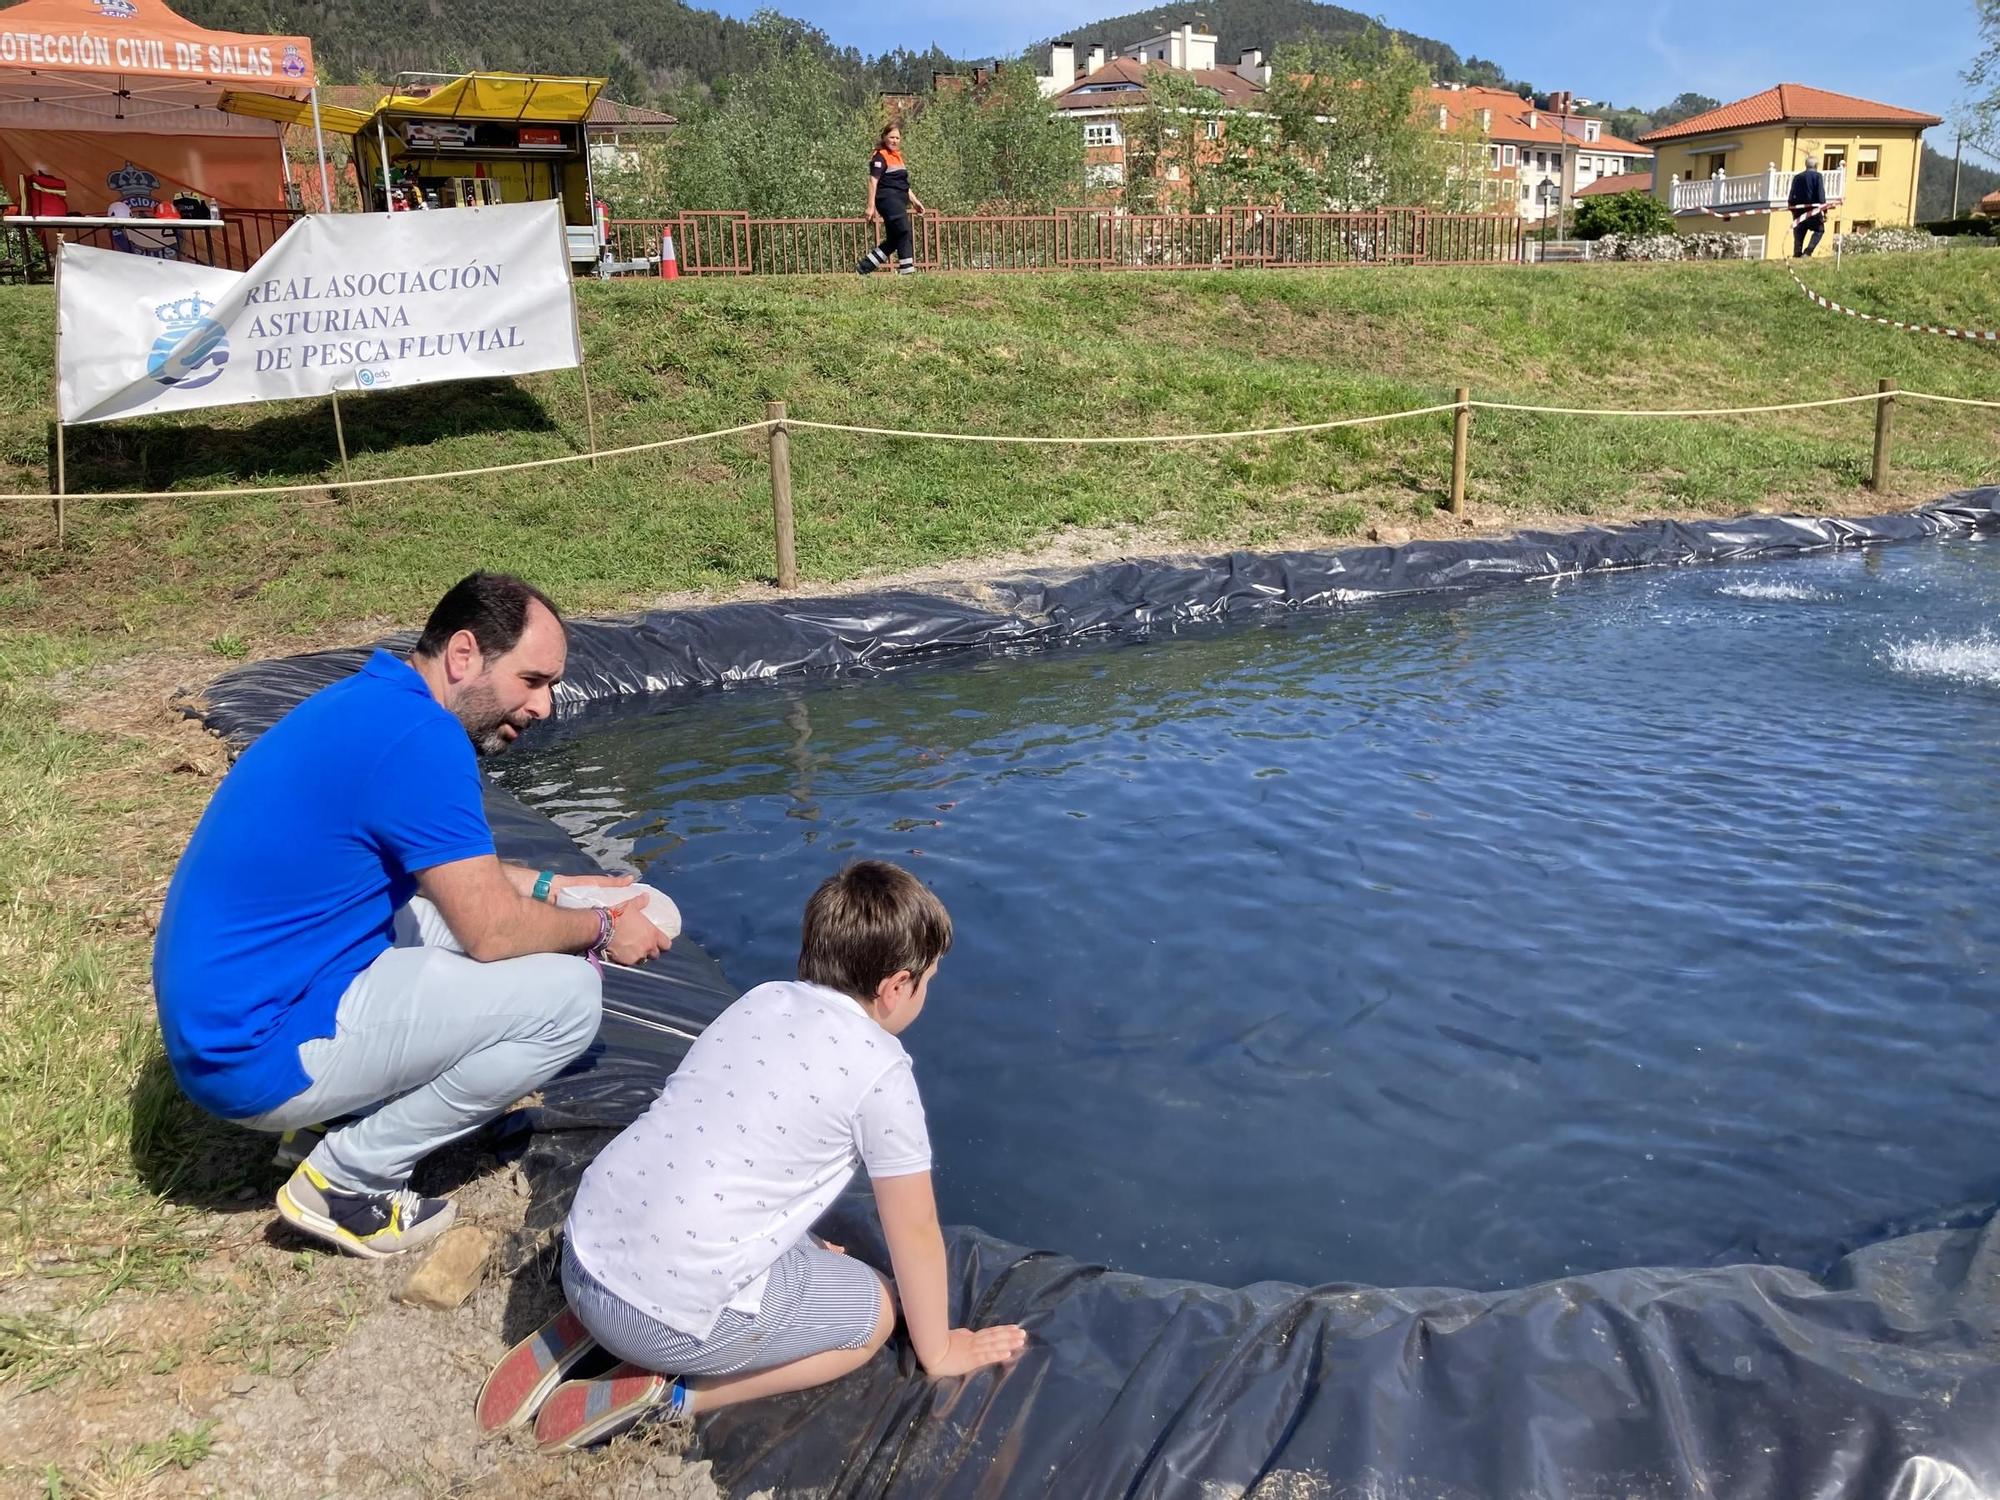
<point x="783" y="139"/>
<point x="1684" y="107"/>
<point x="996" y="150"/>
<point x="1169" y="158"/>
<point x="1341" y="128"/>
<point x="1984" y="76"/>
<point x="1482" y="73"/>
<point x="676" y="52"/>
<point x="1634" y="213"/>
<point x="1629" y="124"/>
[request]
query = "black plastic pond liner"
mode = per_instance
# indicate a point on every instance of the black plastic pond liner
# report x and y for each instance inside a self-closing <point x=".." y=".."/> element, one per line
<point x="1879" y="1379"/>
<point x="731" y="643"/>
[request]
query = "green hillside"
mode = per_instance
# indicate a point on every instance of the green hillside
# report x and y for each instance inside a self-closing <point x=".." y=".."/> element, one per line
<point x="1976" y="180"/>
<point x="1269" y="24"/>
<point x="650" y="49"/>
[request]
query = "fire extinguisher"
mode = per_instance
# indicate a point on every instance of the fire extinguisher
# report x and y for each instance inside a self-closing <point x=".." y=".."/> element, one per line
<point x="603" y="223"/>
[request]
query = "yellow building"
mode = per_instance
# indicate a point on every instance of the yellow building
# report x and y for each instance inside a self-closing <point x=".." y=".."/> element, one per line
<point x="1731" y="168"/>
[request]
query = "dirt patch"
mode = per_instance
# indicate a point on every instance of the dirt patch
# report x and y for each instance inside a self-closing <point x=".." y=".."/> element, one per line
<point x="285" y="1372"/>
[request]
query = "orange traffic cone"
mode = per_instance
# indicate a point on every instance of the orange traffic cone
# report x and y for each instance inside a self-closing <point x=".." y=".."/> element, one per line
<point x="670" y="266"/>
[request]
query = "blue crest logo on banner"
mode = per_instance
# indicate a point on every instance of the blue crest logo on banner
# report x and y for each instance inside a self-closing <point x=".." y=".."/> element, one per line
<point x="192" y="350"/>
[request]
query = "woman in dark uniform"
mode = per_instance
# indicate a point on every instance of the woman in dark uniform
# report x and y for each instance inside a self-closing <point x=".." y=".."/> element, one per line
<point x="890" y="201"/>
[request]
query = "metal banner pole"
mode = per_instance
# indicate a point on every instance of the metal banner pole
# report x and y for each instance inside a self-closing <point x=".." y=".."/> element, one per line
<point x="319" y="146"/>
<point x="62" y="458"/>
<point x="382" y="149"/>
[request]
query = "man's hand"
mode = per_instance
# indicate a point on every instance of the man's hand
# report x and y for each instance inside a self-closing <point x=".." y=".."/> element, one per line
<point x="974" y="1348"/>
<point x="874" y="214"/>
<point x="633" y="938"/>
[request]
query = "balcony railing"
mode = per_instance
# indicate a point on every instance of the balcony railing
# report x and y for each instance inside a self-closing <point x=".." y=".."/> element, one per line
<point x="1747" y="192"/>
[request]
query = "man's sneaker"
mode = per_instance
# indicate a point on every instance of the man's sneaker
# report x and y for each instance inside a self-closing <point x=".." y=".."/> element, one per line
<point x="864" y="265"/>
<point x="373" y="1225"/>
<point x="585" y="1412"/>
<point x="522" y="1380"/>
<point x="294" y="1146"/>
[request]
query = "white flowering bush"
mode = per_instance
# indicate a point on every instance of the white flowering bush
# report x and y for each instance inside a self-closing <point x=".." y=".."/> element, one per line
<point x="1885" y="241"/>
<point x="1673" y="247"/>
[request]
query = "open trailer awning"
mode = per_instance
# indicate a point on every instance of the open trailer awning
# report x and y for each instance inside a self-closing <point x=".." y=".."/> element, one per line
<point x="502" y="96"/>
<point x="332" y="117"/>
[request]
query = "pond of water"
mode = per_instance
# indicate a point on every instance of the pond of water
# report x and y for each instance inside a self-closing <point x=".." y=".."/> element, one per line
<point x="1640" y="919"/>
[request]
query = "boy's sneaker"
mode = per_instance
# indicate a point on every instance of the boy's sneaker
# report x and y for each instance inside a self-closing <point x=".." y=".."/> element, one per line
<point x="522" y="1380"/>
<point x="585" y="1412"/>
<point x="372" y="1225"/>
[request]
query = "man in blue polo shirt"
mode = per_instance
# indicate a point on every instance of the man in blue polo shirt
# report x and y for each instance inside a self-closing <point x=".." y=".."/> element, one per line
<point x="340" y="939"/>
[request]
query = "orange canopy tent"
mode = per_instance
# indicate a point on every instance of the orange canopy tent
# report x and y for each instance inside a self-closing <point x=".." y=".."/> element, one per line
<point x="115" y="100"/>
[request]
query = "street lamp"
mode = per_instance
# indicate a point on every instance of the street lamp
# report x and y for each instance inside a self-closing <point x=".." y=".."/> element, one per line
<point x="1549" y="193"/>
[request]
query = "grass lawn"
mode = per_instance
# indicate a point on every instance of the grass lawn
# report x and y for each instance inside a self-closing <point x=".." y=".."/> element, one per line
<point x="110" y="1186"/>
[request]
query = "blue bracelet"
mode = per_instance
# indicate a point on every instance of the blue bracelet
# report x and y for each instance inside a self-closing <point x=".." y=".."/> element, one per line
<point x="542" y="883"/>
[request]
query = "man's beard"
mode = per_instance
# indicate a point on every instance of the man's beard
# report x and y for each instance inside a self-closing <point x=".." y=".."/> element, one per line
<point x="478" y="709"/>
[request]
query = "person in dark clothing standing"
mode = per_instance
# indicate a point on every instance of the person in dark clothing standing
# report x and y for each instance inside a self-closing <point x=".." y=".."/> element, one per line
<point x="889" y="202"/>
<point x="1808" y="205"/>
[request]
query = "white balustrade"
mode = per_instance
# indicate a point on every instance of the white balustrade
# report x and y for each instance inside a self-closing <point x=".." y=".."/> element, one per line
<point x="1745" y="192"/>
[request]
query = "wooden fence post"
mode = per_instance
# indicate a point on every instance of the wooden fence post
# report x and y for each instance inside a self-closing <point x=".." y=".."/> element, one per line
<point x="781" y="496"/>
<point x="1884" y="407"/>
<point x="1461" y="433"/>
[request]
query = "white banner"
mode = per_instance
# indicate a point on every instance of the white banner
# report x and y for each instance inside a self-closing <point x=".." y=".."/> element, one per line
<point x="343" y="302"/>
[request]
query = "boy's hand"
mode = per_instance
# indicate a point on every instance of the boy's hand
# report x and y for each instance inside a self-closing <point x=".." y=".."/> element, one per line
<point x="974" y="1348"/>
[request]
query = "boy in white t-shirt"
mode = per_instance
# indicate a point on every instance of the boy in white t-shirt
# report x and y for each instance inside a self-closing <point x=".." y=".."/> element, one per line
<point x="686" y="1250"/>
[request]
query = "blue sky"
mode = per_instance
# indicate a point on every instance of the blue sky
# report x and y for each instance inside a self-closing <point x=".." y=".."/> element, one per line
<point x="1643" y="52"/>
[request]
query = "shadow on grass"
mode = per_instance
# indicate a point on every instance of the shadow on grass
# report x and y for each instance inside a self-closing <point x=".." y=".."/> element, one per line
<point x="185" y="1156"/>
<point x="297" y="444"/>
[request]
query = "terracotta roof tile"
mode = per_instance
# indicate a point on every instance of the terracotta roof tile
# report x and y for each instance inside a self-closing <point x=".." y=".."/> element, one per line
<point x="1624" y="182"/>
<point x="1121" y="84"/>
<point x="1791" y="103"/>
<point x="608" y="112"/>
<point x="1516" y="121"/>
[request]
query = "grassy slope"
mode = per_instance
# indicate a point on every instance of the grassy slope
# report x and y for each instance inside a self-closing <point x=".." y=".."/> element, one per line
<point x="94" y="819"/>
<point x="1083" y="353"/>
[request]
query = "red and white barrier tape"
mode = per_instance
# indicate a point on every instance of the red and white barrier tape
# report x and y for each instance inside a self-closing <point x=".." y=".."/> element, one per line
<point x="1803" y="211"/>
<point x="1978" y="336"/>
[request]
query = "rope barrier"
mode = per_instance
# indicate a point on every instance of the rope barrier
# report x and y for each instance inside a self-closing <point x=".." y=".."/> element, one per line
<point x="1719" y="411"/>
<point x="1986" y="336"/>
<point x="360" y="484"/>
<point x="1947" y="400"/>
<point x="1029" y="440"/>
<point x="1048" y="440"/>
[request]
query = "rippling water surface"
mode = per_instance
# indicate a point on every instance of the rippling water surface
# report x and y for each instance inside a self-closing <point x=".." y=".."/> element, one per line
<point x="1648" y="918"/>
